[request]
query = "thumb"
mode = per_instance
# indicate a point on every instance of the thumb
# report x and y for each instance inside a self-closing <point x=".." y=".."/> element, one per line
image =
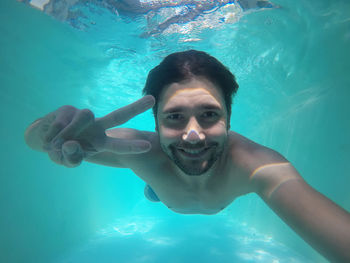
<point x="73" y="153"/>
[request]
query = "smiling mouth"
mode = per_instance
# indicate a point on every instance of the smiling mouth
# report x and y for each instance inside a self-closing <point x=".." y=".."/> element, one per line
<point x="193" y="153"/>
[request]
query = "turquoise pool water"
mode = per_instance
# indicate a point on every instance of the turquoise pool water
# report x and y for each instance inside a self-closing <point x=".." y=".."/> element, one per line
<point x="292" y="64"/>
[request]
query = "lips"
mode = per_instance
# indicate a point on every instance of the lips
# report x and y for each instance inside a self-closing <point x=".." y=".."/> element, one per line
<point x="193" y="153"/>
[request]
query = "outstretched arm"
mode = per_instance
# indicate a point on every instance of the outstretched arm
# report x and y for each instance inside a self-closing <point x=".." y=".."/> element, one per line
<point x="318" y="220"/>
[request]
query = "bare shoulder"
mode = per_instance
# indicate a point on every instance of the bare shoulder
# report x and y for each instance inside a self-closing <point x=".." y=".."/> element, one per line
<point x="251" y="155"/>
<point x="267" y="169"/>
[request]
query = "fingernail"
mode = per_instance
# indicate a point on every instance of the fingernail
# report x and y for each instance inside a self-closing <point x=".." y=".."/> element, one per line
<point x="70" y="148"/>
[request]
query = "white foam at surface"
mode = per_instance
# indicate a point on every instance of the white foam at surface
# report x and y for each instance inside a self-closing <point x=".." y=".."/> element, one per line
<point x="39" y="3"/>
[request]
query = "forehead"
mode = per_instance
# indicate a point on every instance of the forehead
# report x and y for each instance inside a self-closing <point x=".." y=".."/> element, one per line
<point x="191" y="93"/>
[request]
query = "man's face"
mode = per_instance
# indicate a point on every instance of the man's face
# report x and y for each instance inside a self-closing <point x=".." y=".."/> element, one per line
<point x="192" y="124"/>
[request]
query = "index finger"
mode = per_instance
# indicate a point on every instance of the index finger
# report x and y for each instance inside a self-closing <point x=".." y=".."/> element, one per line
<point x="125" y="113"/>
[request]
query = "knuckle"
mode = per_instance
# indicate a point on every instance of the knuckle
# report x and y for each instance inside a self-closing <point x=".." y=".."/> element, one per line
<point x="68" y="108"/>
<point x="58" y="125"/>
<point x="87" y="115"/>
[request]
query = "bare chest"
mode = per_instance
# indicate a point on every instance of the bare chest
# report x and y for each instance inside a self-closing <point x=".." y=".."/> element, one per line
<point x="196" y="194"/>
<point x="200" y="195"/>
<point x="189" y="200"/>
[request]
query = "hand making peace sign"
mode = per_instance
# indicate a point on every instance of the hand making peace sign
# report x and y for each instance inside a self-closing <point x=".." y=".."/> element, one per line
<point x="70" y="134"/>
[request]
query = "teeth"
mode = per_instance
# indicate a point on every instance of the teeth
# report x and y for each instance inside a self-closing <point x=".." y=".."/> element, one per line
<point x="193" y="151"/>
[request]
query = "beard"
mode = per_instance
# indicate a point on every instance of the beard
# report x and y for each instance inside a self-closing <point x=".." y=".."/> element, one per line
<point x="194" y="167"/>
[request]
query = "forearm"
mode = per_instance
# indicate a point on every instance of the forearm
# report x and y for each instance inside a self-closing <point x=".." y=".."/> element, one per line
<point x="319" y="221"/>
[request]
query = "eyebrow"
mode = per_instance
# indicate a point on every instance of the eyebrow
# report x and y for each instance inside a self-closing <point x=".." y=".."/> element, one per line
<point x="181" y="108"/>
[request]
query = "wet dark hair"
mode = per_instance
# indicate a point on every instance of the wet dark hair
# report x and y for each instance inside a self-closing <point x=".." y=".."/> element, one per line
<point x="186" y="65"/>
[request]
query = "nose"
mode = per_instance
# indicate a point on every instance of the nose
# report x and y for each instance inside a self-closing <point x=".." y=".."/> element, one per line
<point x="193" y="133"/>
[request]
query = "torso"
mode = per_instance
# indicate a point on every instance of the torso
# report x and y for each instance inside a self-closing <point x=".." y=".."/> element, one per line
<point x="200" y="194"/>
<point x="194" y="194"/>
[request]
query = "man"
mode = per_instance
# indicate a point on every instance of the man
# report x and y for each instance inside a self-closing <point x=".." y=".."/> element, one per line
<point x="194" y="163"/>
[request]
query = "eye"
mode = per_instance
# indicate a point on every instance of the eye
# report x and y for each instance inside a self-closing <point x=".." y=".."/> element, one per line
<point x="174" y="117"/>
<point x="210" y="114"/>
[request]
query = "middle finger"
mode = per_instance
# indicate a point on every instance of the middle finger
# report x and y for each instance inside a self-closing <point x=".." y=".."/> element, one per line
<point x="80" y="121"/>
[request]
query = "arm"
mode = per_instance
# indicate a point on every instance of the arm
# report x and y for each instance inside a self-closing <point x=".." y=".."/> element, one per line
<point x="318" y="220"/>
